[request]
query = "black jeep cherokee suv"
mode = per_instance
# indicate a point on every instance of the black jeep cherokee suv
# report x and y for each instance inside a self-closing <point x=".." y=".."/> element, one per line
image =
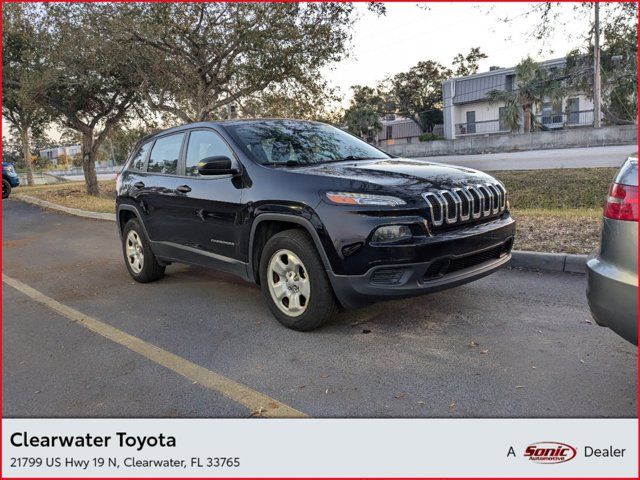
<point x="315" y="216"/>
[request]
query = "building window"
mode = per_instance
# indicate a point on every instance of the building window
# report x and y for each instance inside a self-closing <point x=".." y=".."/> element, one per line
<point x="408" y="139"/>
<point x="471" y="121"/>
<point x="389" y="131"/>
<point x="573" y="108"/>
<point x="502" y="122"/>
<point x="551" y="111"/>
<point x="508" y="82"/>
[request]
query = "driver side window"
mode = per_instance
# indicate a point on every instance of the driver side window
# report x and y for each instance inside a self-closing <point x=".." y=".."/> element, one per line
<point x="203" y="144"/>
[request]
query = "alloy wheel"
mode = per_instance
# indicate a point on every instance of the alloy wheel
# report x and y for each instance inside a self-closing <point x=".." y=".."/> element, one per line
<point x="289" y="283"/>
<point x="134" y="251"/>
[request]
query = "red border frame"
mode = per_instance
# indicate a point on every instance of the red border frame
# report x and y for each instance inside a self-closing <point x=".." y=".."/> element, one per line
<point x="292" y="478"/>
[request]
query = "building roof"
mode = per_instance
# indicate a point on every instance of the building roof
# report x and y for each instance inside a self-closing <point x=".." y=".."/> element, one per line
<point x="507" y="70"/>
<point x="473" y="88"/>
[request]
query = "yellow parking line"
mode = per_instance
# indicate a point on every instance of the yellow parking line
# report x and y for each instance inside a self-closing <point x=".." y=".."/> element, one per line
<point x="256" y="402"/>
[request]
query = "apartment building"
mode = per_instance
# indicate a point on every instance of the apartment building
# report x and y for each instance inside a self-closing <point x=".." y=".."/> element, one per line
<point x="397" y="130"/>
<point x="467" y="111"/>
<point x="55" y="152"/>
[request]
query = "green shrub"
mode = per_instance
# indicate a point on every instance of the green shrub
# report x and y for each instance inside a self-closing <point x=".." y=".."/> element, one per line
<point x="428" y="137"/>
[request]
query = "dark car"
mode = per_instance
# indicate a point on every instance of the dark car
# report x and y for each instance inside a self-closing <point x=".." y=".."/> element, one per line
<point x="10" y="179"/>
<point x="315" y="216"/>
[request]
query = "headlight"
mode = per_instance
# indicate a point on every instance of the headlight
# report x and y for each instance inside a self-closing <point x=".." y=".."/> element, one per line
<point x="349" y="198"/>
<point x="391" y="233"/>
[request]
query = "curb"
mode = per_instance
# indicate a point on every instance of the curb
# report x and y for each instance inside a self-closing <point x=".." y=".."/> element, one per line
<point x="71" y="211"/>
<point x="552" y="262"/>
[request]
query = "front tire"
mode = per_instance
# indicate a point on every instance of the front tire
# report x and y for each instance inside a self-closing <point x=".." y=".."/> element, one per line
<point x="294" y="282"/>
<point x="6" y="188"/>
<point x="138" y="256"/>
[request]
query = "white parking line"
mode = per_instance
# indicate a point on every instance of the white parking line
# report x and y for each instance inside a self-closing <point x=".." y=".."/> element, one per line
<point x="257" y="403"/>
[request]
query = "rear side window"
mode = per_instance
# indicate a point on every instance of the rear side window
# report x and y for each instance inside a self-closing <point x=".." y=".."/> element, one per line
<point x="164" y="155"/>
<point x="204" y="144"/>
<point x="137" y="162"/>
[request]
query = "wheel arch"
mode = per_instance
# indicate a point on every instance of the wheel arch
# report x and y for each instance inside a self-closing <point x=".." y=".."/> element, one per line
<point x="127" y="212"/>
<point x="268" y="224"/>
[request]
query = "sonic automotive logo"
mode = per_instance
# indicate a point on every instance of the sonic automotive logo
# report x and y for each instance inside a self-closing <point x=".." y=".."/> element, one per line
<point x="550" y="452"/>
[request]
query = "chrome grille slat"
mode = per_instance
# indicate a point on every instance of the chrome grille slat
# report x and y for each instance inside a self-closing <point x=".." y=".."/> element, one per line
<point x="495" y="198"/>
<point x="456" y="191"/>
<point x="451" y="206"/>
<point x="503" y="195"/>
<point x="486" y="200"/>
<point x="477" y="202"/>
<point x="432" y="212"/>
<point x="463" y="204"/>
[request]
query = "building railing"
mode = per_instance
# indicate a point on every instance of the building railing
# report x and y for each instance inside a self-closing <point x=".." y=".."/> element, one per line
<point x="567" y="119"/>
<point x="479" y="128"/>
<point x="550" y="120"/>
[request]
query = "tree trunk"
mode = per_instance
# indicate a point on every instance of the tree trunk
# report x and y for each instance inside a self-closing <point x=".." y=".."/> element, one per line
<point x="614" y="119"/>
<point x="526" y="113"/>
<point x="89" y="164"/>
<point x="26" y="152"/>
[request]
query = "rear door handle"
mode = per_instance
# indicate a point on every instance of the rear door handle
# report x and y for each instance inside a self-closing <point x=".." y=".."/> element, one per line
<point x="138" y="185"/>
<point x="184" y="189"/>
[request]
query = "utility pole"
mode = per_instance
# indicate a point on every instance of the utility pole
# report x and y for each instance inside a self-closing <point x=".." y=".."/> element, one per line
<point x="596" y="68"/>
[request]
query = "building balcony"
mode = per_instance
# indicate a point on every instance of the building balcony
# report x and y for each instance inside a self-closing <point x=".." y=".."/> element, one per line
<point x="480" y="128"/>
<point x="546" y="121"/>
<point x="550" y="121"/>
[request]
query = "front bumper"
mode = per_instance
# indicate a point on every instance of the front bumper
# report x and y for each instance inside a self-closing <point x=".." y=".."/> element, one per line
<point x="14" y="180"/>
<point x="406" y="280"/>
<point x="612" y="294"/>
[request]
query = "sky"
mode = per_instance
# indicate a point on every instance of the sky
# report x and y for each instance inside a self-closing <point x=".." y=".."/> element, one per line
<point x="409" y="33"/>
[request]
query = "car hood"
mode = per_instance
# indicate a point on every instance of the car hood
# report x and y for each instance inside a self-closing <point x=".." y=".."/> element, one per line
<point x="400" y="174"/>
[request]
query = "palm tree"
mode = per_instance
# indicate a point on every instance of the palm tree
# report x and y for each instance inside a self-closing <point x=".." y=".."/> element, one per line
<point x="532" y="84"/>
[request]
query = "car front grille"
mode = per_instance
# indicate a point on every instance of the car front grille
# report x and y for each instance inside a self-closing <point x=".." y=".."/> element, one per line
<point x="445" y="266"/>
<point x="465" y="204"/>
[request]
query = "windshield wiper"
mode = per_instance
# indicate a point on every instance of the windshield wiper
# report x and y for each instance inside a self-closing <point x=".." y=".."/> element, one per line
<point x="288" y="163"/>
<point x="350" y="157"/>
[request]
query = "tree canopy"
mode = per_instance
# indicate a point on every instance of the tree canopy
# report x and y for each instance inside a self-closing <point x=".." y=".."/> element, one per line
<point x="196" y="59"/>
<point x="83" y="76"/>
<point x="415" y="94"/>
<point x="100" y="64"/>
<point x="618" y="67"/>
<point x="21" y="99"/>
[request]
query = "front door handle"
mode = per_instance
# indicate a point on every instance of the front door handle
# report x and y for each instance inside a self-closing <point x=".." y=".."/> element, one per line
<point x="184" y="189"/>
<point x="138" y="185"/>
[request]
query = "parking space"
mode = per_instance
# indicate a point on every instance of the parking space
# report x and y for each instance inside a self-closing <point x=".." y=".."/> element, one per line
<point x="514" y="344"/>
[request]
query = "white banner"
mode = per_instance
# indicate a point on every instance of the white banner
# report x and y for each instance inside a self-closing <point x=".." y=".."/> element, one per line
<point x="319" y="448"/>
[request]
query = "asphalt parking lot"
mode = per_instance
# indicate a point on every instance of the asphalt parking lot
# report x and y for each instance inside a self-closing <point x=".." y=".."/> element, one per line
<point x="514" y="344"/>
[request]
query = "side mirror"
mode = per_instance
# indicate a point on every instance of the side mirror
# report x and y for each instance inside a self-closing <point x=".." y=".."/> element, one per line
<point x="219" y="165"/>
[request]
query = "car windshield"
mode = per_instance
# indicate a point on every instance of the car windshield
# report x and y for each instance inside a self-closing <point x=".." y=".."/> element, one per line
<point x="293" y="143"/>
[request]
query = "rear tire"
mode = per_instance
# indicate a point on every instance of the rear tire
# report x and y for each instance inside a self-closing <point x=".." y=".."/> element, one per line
<point x="294" y="281"/>
<point x="6" y="188"/>
<point x="138" y="256"/>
